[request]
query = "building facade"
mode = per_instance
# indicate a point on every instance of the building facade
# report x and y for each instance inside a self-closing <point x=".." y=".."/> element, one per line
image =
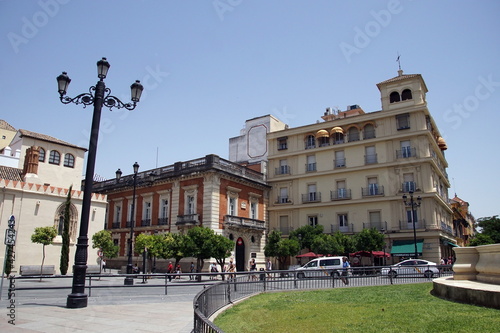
<point x="36" y="172"/>
<point x="229" y="198"/>
<point x="351" y="171"/>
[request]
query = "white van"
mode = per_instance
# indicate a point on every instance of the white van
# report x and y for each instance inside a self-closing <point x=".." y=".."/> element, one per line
<point x="321" y="267"/>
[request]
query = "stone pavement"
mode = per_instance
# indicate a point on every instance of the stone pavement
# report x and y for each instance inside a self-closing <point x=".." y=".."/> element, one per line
<point x="116" y="310"/>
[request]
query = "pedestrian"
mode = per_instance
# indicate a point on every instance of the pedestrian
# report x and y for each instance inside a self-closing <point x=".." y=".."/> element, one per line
<point x="213" y="269"/>
<point x="178" y="271"/>
<point x="191" y="269"/>
<point x="269" y="268"/>
<point x="345" y="270"/>
<point x="135" y="269"/>
<point x="252" y="267"/>
<point x="231" y="269"/>
<point x="103" y="262"/>
<point x="170" y="270"/>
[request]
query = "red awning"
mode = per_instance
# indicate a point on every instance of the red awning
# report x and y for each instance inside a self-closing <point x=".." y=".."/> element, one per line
<point x="309" y="255"/>
<point x="376" y="254"/>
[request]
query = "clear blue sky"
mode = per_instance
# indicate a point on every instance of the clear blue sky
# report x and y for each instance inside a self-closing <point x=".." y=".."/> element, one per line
<point x="208" y="66"/>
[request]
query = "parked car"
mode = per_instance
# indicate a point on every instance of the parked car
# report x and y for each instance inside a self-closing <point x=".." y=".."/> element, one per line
<point x="321" y="267"/>
<point x="412" y="267"/>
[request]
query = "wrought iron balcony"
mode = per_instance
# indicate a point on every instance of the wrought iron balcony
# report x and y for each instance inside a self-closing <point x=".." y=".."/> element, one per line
<point x="406" y="152"/>
<point x="283" y="200"/>
<point x="339" y="163"/>
<point x="408" y="225"/>
<point x="145" y="223"/>
<point x="188" y="219"/>
<point x="128" y="224"/>
<point x="244" y="222"/>
<point x="372" y="190"/>
<point x="115" y="225"/>
<point x="340" y="194"/>
<point x="344" y="229"/>
<point x="282" y="170"/>
<point x="380" y="226"/>
<point x="371" y="159"/>
<point x="311" y="197"/>
<point x="162" y="220"/>
<point x="310" y="167"/>
<point x="408" y="187"/>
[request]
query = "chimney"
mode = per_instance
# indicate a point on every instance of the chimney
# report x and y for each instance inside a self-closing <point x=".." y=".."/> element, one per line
<point x="31" y="160"/>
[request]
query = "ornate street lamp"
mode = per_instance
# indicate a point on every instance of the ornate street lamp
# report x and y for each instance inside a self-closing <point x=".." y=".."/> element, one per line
<point x="98" y="95"/>
<point x="412" y="204"/>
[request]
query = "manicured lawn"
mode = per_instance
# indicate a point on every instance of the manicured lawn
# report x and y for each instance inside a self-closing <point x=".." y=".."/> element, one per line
<point x="396" y="308"/>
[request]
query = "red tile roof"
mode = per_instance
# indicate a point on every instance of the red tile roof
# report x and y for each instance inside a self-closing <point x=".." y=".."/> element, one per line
<point x="47" y="138"/>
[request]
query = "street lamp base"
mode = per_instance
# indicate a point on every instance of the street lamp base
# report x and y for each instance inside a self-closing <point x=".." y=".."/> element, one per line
<point x="76" y="301"/>
<point x="128" y="281"/>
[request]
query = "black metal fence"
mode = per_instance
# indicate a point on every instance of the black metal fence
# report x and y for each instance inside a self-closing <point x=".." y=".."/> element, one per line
<point x="236" y="287"/>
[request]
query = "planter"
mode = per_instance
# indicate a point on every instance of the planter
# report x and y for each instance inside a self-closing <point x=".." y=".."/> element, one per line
<point x="488" y="267"/>
<point x="465" y="264"/>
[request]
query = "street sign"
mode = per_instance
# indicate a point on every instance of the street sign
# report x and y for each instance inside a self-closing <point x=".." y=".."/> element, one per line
<point x="10" y="237"/>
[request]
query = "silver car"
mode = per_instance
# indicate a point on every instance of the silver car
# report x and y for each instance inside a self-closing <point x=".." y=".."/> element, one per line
<point x="412" y="267"/>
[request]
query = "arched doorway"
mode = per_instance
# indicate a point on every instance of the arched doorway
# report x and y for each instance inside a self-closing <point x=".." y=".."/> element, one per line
<point x="240" y="255"/>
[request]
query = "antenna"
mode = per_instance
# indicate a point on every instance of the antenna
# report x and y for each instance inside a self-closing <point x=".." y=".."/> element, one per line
<point x="399" y="61"/>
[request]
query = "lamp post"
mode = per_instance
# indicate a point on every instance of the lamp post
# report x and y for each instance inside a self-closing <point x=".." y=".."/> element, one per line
<point x="412" y="204"/>
<point x="98" y="96"/>
<point x="129" y="280"/>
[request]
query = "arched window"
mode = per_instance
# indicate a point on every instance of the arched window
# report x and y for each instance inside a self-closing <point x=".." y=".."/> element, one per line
<point x="369" y="132"/>
<point x="73" y="219"/>
<point x="69" y="161"/>
<point x="338" y="138"/>
<point x="54" y="157"/>
<point x="406" y="94"/>
<point x="394" y="97"/>
<point x="41" y="157"/>
<point x="352" y="134"/>
<point x="310" y="142"/>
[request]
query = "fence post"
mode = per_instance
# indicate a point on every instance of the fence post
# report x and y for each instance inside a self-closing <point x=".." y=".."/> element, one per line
<point x="228" y="291"/>
<point x="166" y="284"/>
<point x="90" y="285"/>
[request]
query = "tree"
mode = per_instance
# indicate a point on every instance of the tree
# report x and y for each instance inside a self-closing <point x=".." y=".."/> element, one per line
<point x="281" y="248"/>
<point x="346" y="242"/>
<point x="44" y="236"/>
<point x="199" y="245"/>
<point x="64" y="263"/>
<point x="490" y="231"/>
<point x="369" y="240"/>
<point x="102" y="240"/>
<point x="221" y="249"/>
<point x="326" y="244"/>
<point x="174" y="246"/>
<point x="305" y="235"/>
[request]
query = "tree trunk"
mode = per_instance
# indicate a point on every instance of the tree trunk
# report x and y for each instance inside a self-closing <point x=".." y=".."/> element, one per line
<point x="43" y="259"/>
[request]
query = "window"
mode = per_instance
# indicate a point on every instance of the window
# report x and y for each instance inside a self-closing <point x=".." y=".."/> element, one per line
<point x="311" y="163"/>
<point x="341" y="190"/>
<point x="312" y="220"/>
<point x="405" y="149"/>
<point x="163" y="218"/>
<point x="41" y="157"/>
<point x="369" y="132"/>
<point x="190" y="208"/>
<point x="284" y="225"/>
<point x="284" y="169"/>
<point x="338" y="138"/>
<point x="283" y="198"/>
<point x="409" y="216"/>
<point x="409" y="183"/>
<point x="54" y="157"/>
<point x="147" y="210"/>
<point x="69" y="161"/>
<point x="282" y="143"/>
<point x="60" y="226"/>
<point x="310" y="142"/>
<point x="373" y="186"/>
<point x="353" y="134"/>
<point x="370" y="155"/>
<point x="339" y="159"/>
<point x="311" y="192"/>
<point x="406" y="94"/>
<point x="343" y="224"/>
<point x="394" y="97"/>
<point x="232" y="206"/>
<point x="374" y="217"/>
<point x="253" y="209"/>
<point x="403" y="121"/>
<point x="118" y="214"/>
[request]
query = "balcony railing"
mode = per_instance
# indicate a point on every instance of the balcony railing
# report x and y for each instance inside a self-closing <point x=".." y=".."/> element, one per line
<point x="244" y="222"/>
<point x="408" y="225"/>
<point x="145" y="222"/>
<point x="345" y="229"/>
<point x="115" y="225"/>
<point x="371" y="159"/>
<point x="283" y="200"/>
<point x="282" y="170"/>
<point x="406" y="152"/>
<point x="128" y="224"/>
<point x="446" y="228"/>
<point x="339" y="163"/>
<point x="380" y="226"/>
<point x="311" y="197"/>
<point x="188" y="219"/>
<point x="310" y="167"/>
<point x="163" y="221"/>
<point x="340" y="194"/>
<point x="372" y="190"/>
<point x="408" y="187"/>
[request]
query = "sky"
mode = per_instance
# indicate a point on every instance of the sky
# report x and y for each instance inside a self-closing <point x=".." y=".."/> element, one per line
<point x="207" y="66"/>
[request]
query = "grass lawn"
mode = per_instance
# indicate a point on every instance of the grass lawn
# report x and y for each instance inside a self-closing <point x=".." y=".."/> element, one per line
<point x="396" y="308"/>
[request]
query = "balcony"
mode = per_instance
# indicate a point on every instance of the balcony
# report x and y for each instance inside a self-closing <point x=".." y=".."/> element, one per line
<point x="371" y="159"/>
<point x="446" y="228"/>
<point x="408" y="225"/>
<point x="163" y="221"/>
<point x="406" y="152"/>
<point x="188" y="219"/>
<point x="282" y="170"/>
<point x="128" y="224"/>
<point x="283" y="200"/>
<point x="115" y="225"/>
<point x="408" y="187"/>
<point x="339" y="163"/>
<point x="372" y="190"/>
<point x="380" y="226"/>
<point x="146" y="223"/>
<point x="344" y="229"/>
<point x="311" y="197"/>
<point x="244" y="223"/>
<point x="340" y="194"/>
<point x="310" y="167"/>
